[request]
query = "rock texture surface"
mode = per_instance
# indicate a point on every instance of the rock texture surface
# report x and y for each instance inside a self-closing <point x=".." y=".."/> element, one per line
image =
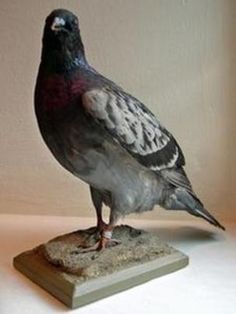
<point x="137" y="246"/>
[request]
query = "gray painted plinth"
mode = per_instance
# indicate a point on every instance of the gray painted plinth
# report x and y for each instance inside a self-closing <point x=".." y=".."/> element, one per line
<point x="74" y="292"/>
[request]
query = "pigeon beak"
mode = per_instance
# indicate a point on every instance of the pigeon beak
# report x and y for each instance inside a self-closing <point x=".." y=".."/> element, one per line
<point x="58" y="24"/>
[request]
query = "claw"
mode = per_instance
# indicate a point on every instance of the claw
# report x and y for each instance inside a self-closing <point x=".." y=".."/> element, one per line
<point x="101" y="245"/>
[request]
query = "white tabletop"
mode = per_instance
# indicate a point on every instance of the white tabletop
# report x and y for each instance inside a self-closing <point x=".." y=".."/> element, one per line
<point x="207" y="285"/>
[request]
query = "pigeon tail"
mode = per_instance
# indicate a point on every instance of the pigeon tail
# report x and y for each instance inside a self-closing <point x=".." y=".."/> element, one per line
<point x="203" y="213"/>
<point x="180" y="199"/>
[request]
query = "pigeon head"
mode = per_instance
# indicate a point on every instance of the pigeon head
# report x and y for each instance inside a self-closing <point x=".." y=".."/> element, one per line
<point x="62" y="44"/>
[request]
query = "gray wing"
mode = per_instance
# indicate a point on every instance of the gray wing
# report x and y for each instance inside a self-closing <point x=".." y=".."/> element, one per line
<point x="134" y="127"/>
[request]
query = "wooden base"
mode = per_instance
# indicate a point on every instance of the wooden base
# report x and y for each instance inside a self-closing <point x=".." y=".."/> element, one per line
<point x="74" y="292"/>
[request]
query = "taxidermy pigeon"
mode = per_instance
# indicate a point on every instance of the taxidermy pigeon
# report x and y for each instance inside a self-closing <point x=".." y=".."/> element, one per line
<point x="105" y="136"/>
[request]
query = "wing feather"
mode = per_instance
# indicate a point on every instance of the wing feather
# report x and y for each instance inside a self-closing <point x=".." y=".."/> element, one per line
<point x="134" y="127"/>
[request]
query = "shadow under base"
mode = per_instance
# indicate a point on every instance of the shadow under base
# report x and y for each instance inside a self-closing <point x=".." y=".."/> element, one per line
<point x="77" y="278"/>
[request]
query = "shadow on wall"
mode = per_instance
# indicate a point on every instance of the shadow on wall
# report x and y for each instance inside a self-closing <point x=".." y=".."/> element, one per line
<point x="185" y="233"/>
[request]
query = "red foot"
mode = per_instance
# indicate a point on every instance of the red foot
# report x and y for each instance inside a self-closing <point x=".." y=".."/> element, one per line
<point x="101" y="226"/>
<point x="102" y="244"/>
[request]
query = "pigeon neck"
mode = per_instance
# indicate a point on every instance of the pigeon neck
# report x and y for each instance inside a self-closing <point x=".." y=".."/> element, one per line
<point x="63" y="61"/>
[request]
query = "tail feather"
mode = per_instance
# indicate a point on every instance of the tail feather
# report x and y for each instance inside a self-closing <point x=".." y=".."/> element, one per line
<point x="203" y="213"/>
<point x="181" y="199"/>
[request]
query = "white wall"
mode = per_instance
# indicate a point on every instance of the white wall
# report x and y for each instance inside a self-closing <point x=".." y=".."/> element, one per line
<point x="179" y="57"/>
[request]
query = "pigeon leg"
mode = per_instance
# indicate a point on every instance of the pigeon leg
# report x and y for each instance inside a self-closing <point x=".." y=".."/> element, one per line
<point x="100" y="223"/>
<point x="97" y="202"/>
<point x="106" y="234"/>
<point x="105" y="240"/>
